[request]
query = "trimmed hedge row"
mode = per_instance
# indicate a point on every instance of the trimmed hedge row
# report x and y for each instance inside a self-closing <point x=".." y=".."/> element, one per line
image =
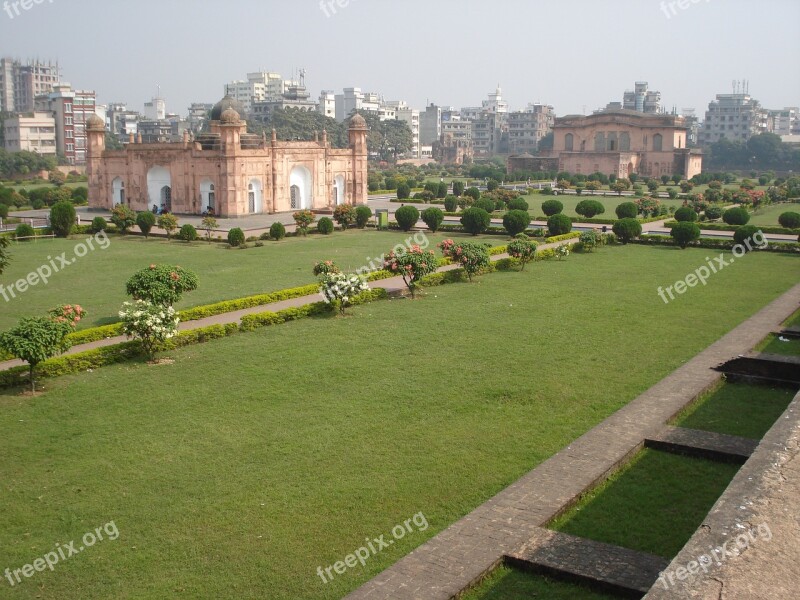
<point x="663" y="240"/>
<point x="560" y="238"/>
<point x="99" y="357"/>
<point x="226" y="306"/>
<point x="726" y="227"/>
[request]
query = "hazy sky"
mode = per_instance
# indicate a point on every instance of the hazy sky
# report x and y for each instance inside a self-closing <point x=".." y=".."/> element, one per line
<point x="568" y="53"/>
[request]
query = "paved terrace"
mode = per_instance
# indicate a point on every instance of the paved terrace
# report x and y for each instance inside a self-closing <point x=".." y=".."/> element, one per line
<point x="472" y="547"/>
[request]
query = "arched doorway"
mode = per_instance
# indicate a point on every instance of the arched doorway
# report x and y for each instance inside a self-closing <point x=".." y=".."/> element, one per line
<point x="339" y="196"/>
<point x="117" y="191"/>
<point x="300" y="185"/>
<point x="159" y="187"/>
<point x="208" y="196"/>
<point x="254" y="203"/>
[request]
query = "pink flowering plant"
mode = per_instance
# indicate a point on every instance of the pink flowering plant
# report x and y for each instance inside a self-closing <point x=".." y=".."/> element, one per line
<point x="523" y="249"/>
<point x="339" y="289"/>
<point x="411" y="264"/>
<point x="68" y="313"/>
<point x="472" y="257"/>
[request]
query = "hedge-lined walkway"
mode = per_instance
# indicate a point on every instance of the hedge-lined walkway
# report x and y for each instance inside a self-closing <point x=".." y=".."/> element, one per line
<point x="393" y="286"/>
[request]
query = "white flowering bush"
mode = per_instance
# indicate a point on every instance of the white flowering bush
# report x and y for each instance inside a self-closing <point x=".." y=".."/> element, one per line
<point x="338" y="288"/>
<point x="153" y="324"/>
<point x="562" y="251"/>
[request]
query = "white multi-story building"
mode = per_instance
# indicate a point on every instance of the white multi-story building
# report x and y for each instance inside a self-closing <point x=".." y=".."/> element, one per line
<point x="31" y="132"/>
<point x="156" y="109"/>
<point x="70" y="109"/>
<point x="403" y="112"/>
<point x="642" y="100"/>
<point x="734" y="117"/>
<point x="354" y="99"/>
<point x="786" y="121"/>
<point x="327" y="104"/>
<point x="495" y="103"/>
<point x="20" y="83"/>
<point x="198" y="115"/>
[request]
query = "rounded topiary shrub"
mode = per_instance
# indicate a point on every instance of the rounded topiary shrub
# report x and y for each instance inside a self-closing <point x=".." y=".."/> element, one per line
<point x="518" y="203"/>
<point x="325" y="226"/>
<point x="590" y="208"/>
<point x="236" y="237"/>
<point x="627" y="210"/>
<point x="188" y="233"/>
<point x="406" y="217"/>
<point x="736" y="216"/>
<point x="627" y="230"/>
<point x="433" y="218"/>
<point x="98" y="224"/>
<point x="363" y="215"/>
<point x="552" y="207"/>
<point x="451" y="203"/>
<point x="3" y="211"/>
<point x="277" y="231"/>
<point x="145" y="221"/>
<point x="713" y="213"/>
<point x="516" y="221"/>
<point x="24" y="230"/>
<point x="475" y="220"/>
<point x="62" y="218"/>
<point x="790" y="219"/>
<point x="486" y="204"/>
<point x="403" y="191"/>
<point x="473" y="193"/>
<point x="559" y="224"/>
<point x="685" y="214"/>
<point x="685" y="232"/>
<point x="745" y="234"/>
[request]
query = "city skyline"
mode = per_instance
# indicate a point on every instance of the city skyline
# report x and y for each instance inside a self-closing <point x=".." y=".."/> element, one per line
<point x="447" y="56"/>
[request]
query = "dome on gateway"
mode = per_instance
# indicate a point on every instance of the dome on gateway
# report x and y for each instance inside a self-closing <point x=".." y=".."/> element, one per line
<point x="223" y="105"/>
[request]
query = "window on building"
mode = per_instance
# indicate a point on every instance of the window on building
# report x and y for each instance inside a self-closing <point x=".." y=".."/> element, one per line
<point x="68" y="108"/>
<point x="568" y="142"/>
<point x="658" y="142"/>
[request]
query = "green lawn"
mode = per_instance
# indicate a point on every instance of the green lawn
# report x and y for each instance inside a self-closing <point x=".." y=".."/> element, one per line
<point x="773" y="345"/>
<point x="237" y="470"/>
<point x="97" y="281"/>
<point x="570" y="201"/>
<point x="511" y="584"/>
<point x="738" y="409"/>
<point x="768" y="216"/>
<point x="653" y="505"/>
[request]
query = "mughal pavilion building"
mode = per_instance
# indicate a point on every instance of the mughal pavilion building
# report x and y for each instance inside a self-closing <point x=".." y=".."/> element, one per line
<point x="228" y="170"/>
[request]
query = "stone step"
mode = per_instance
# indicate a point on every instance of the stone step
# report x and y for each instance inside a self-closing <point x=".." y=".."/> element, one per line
<point x="613" y="568"/>
<point x="705" y="444"/>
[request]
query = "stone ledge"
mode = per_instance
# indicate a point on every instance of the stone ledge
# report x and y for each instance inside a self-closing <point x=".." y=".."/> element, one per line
<point x="704" y="444"/>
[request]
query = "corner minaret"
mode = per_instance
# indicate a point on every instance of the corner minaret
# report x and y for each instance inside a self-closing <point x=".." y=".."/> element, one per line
<point x="358" y="143"/>
<point x="96" y="145"/>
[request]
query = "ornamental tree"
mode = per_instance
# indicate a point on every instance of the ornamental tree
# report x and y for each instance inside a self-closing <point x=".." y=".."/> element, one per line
<point x="472" y="257"/>
<point x="161" y="284"/>
<point x="34" y="340"/>
<point x="169" y="223"/>
<point x="208" y="224"/>
<point x="152" y="324"/>
<point x="516" y="221"/>
<point x="326" y="267"/>
<point x="627" y="230"/>
<point x="303" y="219"/>
<point x="123" y="217"/>
<point x="339" y="289"/>
<point x="62" y="218"/>
<point x="523" y="249"/>
<point x="475" y="220"/>
<point x="412" y="265"/>
<point x="590" y="208"/>
<point x="685" y="232"/>
<point x="145" y="221"/>
<point x="344" y="215"/>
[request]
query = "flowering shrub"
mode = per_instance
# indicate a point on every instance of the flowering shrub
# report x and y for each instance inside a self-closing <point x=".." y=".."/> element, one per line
<point x="325" y="267"/>
<point x="344" y="215"/>
<point x="648" y="207"/>
<point x="161" y="284"/>
<point x="562" y="251"/>
<point x="67" y="313"/>
<point x="153" y="324"/>
<point x="472" y="257"/>
<point x="303" y="219"/>
<point x="523" y="249"/>
<point x="338" y="288"/>
<point x="123" y="217"/>
<point x="412" y="265"/>
<point x="589" y="240"/>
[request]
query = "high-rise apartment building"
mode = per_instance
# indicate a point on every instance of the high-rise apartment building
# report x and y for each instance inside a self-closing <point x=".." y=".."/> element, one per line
<point x="21" y="83"/>
<point x="70" y="109"/>
<point x="31" y="132"/>
<point x="642" y="100"/>
<point x="527" y="128"/>
<point x="733" y="117"/>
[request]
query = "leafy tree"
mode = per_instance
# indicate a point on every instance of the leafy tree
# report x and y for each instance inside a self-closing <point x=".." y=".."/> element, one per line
<point x="123" y="218"/>
<point x="406" y="217"/>
<point x="411" y="264"/>
<point x="475" y="220"/>
<point x="169" y="223"/>
<point x="618" y="186"/>
<point x="473" y="193"/>
<point x="62" y="218"/>
<point x="652" y="185"/>
<point x="151" y="323"/>
<point x="208" y="224"/>
<point x="472" y="257"/>
<point x="303" y="219"/>
<point x="590" y="208"/>
<point x="145" y="221"/>
<point x="523" y="249"/>
<point x="627" y="210"/>
<point x="433" y="218"/>
<point x="627" y="230"/>
<point x="161" y="284"/>
<point x="34" y="340"/>
<point x="685" y="232"/>
<point x="516" y="221"/>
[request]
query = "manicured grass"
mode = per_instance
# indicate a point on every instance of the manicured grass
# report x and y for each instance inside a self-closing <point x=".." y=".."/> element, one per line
<point x="773" y="345"/>
<point x="570" y="201"/>
<point x="738" y="409"/>
<point x="251" y="460"/>
<point x="97" y="280"/>
<point x="768" y="216"/>
<point x="510" y="584"/>
<point x="654" y="504"/>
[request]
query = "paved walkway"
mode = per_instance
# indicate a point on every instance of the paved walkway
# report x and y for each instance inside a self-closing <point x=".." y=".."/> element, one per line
<point x="470" y="548"/>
